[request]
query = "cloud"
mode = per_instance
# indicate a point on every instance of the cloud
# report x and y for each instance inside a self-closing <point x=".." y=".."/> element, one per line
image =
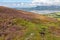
<point x="33" y="3"/>
<point x="47" y="2"/>
<point x="24" y="4"/>
<point x="17" y="4"/>
<point x="9" y="4"/>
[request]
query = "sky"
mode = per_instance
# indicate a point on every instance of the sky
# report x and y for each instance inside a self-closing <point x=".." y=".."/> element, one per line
<point x="15" y="0"/>
<point x="28" y="3"/>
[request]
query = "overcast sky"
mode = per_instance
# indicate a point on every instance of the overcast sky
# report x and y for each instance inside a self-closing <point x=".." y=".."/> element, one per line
<point x="28" y="3"/>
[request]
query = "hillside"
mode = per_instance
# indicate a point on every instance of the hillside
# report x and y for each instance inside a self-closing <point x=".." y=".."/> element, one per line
<point x="21" y="25"/>
<point x="54" y="15"/>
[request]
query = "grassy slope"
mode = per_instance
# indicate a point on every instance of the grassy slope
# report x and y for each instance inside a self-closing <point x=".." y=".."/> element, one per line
<point x="55" y="15"/>
<point x="28" y="27"/>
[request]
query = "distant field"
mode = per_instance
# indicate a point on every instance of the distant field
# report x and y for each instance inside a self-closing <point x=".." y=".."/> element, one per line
<point x="54" y="15"/>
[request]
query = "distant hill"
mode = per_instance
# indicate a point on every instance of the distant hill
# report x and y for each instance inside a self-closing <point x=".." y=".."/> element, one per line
<point x="22" y="25"/>
<point x="54" y="15"/>
<point x="47" y="8"/>
<point x="41" y="8"/>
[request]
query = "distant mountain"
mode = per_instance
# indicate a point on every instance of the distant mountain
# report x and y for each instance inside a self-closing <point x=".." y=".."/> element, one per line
<point x="47" y="8"/>
<point x="41" y="8"/>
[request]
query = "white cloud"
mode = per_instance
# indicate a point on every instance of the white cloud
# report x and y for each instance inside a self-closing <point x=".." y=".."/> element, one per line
<point x="47" y="2"/>
<point x="31" y="4"/>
